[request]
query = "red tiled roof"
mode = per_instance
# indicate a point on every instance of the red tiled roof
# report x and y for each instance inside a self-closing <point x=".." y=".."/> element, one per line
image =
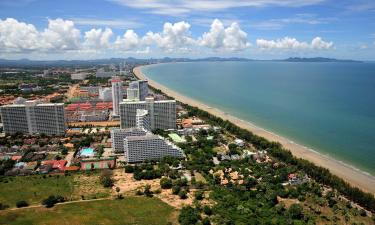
<point x="56" y="164"/>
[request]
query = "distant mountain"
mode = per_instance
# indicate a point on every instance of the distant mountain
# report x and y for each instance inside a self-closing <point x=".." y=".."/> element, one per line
<point x="93" y="62"/>
<point x="318" y="59"/>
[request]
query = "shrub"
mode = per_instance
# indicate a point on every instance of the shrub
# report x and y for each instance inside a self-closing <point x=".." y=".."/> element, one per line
<point x="129" y="169"/>
<point x="176" y="190"/>
<point x="183" y="194"/>
<point x="3" y="206"/>
<point x="148" y="191"/>
<point x="21" y="204"/>
<point x="295" y="211"/>
<point x="207" y="210"/>
<point x="188" y="216"/>
<point x="198" y="195"/>
<point x="52" y="200"/>
<point x="165" y="183"/>
<point x="206" y="221"/>
<point x="106" y="178"/>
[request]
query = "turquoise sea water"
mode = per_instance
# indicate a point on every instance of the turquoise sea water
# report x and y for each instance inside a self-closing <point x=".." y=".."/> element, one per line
<point x="329" y="107"/>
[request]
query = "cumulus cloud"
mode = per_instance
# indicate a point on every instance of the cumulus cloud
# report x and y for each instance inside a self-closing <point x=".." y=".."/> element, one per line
<point x="175" y="36"/>
<point x="129" y="41"/>
<point x="292" y="43"/>
<point x="318" y="43"/>
<point x="17" y="36"/>
<point x="231" y="38"/>
<point x="98" y="38"/>
<point x="61" y="35"/>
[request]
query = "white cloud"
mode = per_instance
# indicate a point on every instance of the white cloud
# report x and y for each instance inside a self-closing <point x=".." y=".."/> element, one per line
<point x="292" y="43"/>
<point x="18" y="36"/>
<point x="129" y="41"/>
<point x="98" y="38"/>
<point x="231" y="38"/>
<point x="318" y="43"/>
<point x="61" y="35"/>
<point x="181" y="7"/>
<point x="174" y="36"/>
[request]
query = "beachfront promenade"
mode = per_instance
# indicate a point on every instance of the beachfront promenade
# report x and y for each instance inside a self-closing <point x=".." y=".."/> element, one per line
<point x="353" y="176"/>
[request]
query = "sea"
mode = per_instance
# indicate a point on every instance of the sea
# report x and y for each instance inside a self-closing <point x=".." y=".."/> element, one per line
<point x="328" y="107"/>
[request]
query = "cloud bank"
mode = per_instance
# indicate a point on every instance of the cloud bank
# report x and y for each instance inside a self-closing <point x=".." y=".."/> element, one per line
<point x="63" y="36"/>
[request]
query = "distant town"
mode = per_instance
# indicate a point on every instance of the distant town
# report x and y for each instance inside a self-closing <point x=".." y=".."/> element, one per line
<point x="98" y="135"/>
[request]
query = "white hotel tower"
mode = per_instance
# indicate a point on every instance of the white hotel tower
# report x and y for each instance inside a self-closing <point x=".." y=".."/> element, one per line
<point x="116" y="95"/>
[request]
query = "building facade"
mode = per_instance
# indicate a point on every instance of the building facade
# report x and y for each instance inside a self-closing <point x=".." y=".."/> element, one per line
<point x="137" y="90"/>
<point x="118" y="136"/>
<point x="162" y="113"/>
<point x="34" y="118"/>
<point x="143" y="120"/>
<point x="149" y="147"/>
<point x="117" y="95"/>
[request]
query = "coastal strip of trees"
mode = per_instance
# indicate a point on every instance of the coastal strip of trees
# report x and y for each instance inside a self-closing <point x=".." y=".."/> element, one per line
<point x="275" y="149"/>
<point x="320" y="174"/>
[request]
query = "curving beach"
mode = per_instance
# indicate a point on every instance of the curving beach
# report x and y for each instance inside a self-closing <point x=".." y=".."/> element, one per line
<point x="352" y="175"/>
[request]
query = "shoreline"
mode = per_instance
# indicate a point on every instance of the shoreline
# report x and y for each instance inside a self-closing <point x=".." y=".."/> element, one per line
<point x="350" y="174"/>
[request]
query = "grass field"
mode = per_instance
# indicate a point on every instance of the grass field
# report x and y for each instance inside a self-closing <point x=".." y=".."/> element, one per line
<point x="131" y="210"/>
<point x="34" y="189"/>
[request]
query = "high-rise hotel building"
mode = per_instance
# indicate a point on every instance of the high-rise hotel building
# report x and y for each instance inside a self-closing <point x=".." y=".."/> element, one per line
<point x="137" y="90"/>
<point x="149" y="147"/>
<point x="162" y="114"/>
<point x="116" y="95"/>
<point x="33" y="117"/>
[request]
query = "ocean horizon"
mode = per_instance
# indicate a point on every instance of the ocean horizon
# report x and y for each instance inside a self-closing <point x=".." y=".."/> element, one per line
<point x="326" y="107"/>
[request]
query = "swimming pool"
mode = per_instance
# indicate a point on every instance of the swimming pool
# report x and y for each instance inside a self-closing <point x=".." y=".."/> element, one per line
<point x="87" y="152"/>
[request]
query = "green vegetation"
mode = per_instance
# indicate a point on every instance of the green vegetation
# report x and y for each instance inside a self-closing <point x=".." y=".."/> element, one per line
<point x="106" y="178"/>
<point x="130" y="210"/>
<point x="52" y="200"/>
<point x="318" y="173"/>
<point x="33" y="189"/>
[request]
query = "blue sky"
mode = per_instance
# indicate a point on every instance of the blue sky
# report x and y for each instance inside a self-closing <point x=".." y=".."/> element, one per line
<point x="260" y="29"/>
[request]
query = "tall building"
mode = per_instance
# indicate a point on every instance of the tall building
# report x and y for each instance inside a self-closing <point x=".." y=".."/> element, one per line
<point x="118" y="136"/>
<point x="116" y="95"/>
<point x="137" y="90"/>
<point x="162" y="113"/>
<point x="34" y="118"/>
<point x="143" y="120"/>
<point x="149" y="147"/>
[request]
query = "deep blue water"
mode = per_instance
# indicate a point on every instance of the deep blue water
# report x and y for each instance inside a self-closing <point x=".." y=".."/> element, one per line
<point x="329" y="107"/>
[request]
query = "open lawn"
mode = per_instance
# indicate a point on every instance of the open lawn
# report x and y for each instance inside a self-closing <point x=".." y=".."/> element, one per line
<point x="35" y="188"/>
<point x="131" y="210"/>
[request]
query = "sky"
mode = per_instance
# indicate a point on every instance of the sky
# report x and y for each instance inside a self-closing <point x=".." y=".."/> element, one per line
<point x="256" y="29"/>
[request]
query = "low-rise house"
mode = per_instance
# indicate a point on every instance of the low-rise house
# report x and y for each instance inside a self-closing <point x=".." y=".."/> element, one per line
<point x="31" y="166"/>
<point x="56" y="164"/>
<point x="44" y="169"/>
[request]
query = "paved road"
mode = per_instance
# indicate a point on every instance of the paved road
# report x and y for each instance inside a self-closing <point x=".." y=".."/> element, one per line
<point x="62" y="203"/>
<point x="69" y="158"/>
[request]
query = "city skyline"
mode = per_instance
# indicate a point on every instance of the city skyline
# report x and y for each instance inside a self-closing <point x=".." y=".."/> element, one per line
<point x="260" y="29"/>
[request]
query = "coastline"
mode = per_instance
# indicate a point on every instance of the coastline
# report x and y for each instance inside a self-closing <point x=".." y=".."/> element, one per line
<point x="354" y="176"/>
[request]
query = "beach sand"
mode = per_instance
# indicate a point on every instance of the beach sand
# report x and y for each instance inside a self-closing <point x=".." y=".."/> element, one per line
<point x="353" y="176"/>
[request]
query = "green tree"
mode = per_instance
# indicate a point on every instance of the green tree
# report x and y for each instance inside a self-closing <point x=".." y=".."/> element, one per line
<point x="188" y="216"/>
<point x="165" y="183"/>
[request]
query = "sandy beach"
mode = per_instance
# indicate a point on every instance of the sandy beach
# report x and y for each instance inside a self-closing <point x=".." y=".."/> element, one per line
<point x="355" y="177"/>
